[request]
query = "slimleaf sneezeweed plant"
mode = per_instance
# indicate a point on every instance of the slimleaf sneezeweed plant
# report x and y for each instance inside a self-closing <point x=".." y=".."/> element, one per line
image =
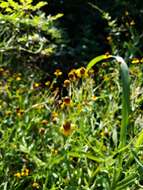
<point x="89" y="137"/>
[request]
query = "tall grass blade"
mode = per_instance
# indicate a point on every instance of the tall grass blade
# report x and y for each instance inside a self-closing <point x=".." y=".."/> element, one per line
<point x="125" y="100"/>
<point x="96" y="60"/>
<point x="125" y="93"/>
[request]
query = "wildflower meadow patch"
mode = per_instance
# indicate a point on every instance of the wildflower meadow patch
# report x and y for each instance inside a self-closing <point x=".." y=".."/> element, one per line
<point x="50" y="141"/>
<point x="71" y="95"/>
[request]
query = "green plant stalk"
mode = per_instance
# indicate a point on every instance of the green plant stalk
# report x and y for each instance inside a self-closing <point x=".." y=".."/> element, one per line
<point x="125" y="103"/>
<point x="125" y="106"/>
<point x="125" y="93"/>
<point x="96" y="7"/>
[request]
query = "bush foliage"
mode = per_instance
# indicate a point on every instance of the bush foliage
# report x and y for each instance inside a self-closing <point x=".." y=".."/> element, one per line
<point x="26" y="30"/>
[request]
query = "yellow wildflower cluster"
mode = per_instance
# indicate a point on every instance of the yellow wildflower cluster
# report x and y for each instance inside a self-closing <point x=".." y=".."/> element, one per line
<point x="136" y="60"/>
<point x="35" y="185"/>
<point x="24" y="172"/>
<point x="74" y="74"/>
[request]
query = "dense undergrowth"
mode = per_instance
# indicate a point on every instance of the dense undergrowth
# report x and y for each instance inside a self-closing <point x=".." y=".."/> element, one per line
<point x="71" y="142"/>
<point x="78" y="129"/>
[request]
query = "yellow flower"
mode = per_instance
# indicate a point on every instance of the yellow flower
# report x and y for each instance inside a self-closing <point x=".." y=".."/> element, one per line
<point x="26" y="171"/>
<point x="141" y="60"/>
<point x="81" y="72"/>
<point x="41" y="131"/>
<point x="19" y="112"/>
<point x="58" y="72"/>
<point x="91" y="72"/>
<point x="8" y="112"/>
<point x="1" y="69"/>
<point x="67" y="128"/>
<point x="18" y="78"/>
<point x="135" y="60"/>
<point x="132" y="23"/>
<point x="44" y="122"/>
<point x="72" y="75"/>
<point x="14" y="146"/>
<point x="22" y="173"/>
<point x="6" y="73"/>
<point x="36" y="185"/>
<point x="94" y="98"/>
<point x="66" y="83"/>
<point x="109" y="39"/>
<point x="18" y="175"/>
<point x="54" y="116"/>
<point x="67" y="101"/>
<point x="47" y="83"/>
<point x="54" y="151"/>
<point x="107" y="55"/>
<point x="106" y="78"/>
<point x="36" y="85"/>
<point x="126" y="13"/>
<point x="39" y="106"/>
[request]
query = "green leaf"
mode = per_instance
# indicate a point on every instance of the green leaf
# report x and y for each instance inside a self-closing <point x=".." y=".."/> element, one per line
<point x="4" y="5"/>
<point x="126" y="182"/>
<point x="125" y="100"/>
<point x="40" y="5"/>
<point x="13" y="4"/>
<point x="125" y="93"/>
<point x="87" y="155"/>
<point x="96" y="60"/>
<point x="139" y="140"/>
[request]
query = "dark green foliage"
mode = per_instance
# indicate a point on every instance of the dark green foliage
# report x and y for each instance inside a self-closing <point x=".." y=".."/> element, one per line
<point x="87" y="29"/>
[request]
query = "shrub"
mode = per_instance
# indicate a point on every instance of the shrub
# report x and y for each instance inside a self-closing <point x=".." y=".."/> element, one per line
<point x="25" y="30"/>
